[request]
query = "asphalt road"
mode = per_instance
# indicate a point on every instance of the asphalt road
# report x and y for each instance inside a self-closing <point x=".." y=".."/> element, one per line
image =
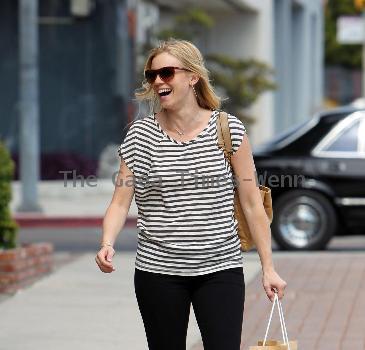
<point x="81" y="240"/>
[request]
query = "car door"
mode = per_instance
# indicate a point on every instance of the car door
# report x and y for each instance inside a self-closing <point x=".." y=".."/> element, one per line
<point x="341" y="163"/>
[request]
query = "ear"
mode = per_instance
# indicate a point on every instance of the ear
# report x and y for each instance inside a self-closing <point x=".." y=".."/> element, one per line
<point x="194" y="79"/>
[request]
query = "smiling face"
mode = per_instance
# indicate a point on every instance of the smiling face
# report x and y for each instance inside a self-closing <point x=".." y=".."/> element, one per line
<point x="180" y="84"/>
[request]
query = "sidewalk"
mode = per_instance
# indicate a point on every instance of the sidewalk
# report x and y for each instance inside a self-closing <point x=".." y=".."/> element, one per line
<point x="79" y="307"/>
<point x="324" y="304"/>
<point x="73" y="205"/>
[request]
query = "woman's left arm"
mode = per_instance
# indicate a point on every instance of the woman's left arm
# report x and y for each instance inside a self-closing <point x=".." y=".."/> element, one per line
<point x="257" y="220"/>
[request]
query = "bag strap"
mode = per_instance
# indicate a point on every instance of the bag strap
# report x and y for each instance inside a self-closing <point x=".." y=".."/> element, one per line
<point x="282" y="322"/>
<point x="224" y="135"/>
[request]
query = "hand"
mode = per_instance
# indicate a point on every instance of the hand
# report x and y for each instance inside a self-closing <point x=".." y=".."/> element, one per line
<point x="104" y="259"/>
<point x="272" y="282"/>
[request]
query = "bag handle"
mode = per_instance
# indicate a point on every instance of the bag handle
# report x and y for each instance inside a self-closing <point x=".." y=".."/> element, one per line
<point x="224" y="135"/>
<point x="282" y="322"/>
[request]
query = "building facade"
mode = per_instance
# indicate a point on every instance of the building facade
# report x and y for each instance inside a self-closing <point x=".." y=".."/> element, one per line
<point x="85" y="68"/>
<point x="87" y="60"/>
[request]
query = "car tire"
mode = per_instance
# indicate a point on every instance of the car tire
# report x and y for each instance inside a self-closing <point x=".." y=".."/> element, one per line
<point x="303" y="220"/>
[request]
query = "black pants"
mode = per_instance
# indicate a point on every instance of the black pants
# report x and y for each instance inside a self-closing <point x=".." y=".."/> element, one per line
<point x="218" y="303"/>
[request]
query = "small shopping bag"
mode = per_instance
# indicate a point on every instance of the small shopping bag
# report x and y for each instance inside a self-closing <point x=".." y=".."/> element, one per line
<point x="293" y="344"/>
<point x="276" y="345"/>
<point x="271" y="344"/>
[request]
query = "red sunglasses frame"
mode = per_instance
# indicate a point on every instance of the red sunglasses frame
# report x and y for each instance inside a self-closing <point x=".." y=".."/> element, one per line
<point x="158" y="72"/>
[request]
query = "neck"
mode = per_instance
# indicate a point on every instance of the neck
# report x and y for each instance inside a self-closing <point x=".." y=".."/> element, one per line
<point x="182" y="118"/>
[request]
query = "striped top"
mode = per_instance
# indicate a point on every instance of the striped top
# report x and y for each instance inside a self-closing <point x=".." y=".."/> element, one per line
<point x="184" y="194"/>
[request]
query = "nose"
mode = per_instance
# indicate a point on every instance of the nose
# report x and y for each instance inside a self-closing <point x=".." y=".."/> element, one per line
<point x="158" y="80"/>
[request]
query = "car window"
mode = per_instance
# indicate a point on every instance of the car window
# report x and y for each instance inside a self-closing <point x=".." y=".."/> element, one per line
<point x="290" y="131"/>
<point x="274" y="142"/>
<point x="346" y="141"/>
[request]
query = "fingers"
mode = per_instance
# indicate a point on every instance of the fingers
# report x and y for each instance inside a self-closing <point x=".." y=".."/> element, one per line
<point x="104" y="258"/>
<point x="104" y="266"/>
<point x="270" y="293"/>
<point x="280" y="290"/>
<point x="109" y="256"/>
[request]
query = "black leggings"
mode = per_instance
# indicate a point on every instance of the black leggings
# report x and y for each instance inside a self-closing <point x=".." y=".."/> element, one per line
<point x="218" y="301"/>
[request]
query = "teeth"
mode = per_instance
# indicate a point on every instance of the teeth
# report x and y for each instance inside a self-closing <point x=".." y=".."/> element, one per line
<point x="163" y="90"/>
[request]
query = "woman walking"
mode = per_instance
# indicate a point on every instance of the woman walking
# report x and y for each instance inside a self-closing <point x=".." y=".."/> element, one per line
<point x="188" y="247"/>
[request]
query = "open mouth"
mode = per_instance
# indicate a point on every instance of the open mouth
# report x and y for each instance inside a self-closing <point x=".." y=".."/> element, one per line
<point x="164" y="92"/>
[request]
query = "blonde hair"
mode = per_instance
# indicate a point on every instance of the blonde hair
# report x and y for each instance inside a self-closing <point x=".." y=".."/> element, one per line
<point x="192" y="59"/>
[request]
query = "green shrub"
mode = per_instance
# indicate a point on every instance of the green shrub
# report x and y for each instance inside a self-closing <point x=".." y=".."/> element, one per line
<point x="8" y="227"/>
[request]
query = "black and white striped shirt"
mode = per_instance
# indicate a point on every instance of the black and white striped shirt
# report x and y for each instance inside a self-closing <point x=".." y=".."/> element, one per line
<point x="184" y="194"/>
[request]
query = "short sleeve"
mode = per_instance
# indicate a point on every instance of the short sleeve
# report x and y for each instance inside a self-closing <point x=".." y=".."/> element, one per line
<point x="238" y="131"/>
<point x="127" y="148"/>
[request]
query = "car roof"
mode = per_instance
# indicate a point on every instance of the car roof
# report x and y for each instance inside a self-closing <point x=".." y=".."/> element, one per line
<point x="319" y="117"/>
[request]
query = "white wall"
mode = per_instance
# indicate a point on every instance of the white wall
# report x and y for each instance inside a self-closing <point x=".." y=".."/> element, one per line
<point x="264" y="108"/>
<point x="248" y="35"/>
<point x="234" y="33"/>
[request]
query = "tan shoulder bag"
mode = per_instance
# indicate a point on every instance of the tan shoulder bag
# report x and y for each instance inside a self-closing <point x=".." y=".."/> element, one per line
<point x="225" y="143"/>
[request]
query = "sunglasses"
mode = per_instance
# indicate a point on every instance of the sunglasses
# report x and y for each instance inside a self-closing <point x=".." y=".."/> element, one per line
<point x="165" y="73"/>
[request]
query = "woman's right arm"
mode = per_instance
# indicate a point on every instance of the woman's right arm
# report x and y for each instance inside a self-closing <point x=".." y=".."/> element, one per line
<point x="115" y="216"/>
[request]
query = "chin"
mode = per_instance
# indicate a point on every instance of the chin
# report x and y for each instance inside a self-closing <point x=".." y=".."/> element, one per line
<point x="167" y="105"/>
<point x="173" y="105"/>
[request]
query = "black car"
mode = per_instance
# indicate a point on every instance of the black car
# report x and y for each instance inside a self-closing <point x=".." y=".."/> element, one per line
<point x="316" y="172"/>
